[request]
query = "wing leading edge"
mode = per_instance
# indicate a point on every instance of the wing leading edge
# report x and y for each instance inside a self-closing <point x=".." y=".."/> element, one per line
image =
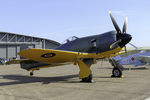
<point x="51" y="56"/>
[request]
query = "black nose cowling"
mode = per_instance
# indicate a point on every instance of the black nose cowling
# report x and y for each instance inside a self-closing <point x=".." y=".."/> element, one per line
<point x="125" y="38"/>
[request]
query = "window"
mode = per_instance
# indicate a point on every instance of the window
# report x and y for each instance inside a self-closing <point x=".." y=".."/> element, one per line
<point x="93" y="43"/>
<point x="72" y="38"/>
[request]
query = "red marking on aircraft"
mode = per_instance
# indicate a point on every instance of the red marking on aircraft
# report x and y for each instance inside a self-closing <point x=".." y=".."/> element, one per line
<point x="132" y="59"/>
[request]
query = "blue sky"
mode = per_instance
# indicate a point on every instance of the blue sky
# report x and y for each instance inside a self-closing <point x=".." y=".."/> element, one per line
<point x="60" y="19"/>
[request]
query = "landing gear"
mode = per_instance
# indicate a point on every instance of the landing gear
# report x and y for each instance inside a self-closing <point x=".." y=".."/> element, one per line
<point x="31" y="73"/>
<point x="116" y="72"/>
<point x="88" y="79"/>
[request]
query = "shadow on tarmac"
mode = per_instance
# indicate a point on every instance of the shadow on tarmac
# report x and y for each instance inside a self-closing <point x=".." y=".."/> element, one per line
<point x="20" y="79"/>
<point x="139" y="68"/>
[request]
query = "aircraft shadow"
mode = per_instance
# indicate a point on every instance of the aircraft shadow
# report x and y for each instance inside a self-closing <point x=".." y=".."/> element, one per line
<point x="20" y="79"/>
<point x="140" y="68"/>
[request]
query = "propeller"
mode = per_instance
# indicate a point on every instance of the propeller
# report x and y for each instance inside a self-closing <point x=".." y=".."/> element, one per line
<point x="133" y="46"/>
<point x="115" y="23"/>
<point x="125" y="48"/>
<point x="119" y="32"/>
<point x="125" y="25"/>
<point x="115" y="44"/>
<point x="124" y="31"/>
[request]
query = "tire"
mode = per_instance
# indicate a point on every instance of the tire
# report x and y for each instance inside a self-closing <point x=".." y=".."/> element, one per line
<point x="116" y="72"/>
<point x="31" y="73"/>
<point x="88" y="79"/>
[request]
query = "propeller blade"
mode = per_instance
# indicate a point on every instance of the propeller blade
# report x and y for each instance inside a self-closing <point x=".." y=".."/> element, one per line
<point x="115" y="24"/>
<point x="114" y="44"/>
<point x="133" y="46"/>
<point x="125" y="50"/>
<point x="125" y="25"/>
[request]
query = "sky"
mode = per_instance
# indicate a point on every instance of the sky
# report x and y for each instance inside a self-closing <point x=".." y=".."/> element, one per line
<point x="60" y="19"/>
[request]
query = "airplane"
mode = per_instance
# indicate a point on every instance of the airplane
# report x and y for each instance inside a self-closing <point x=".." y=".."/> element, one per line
<point x="83" y="52"/>
<point x="140" y="57"/>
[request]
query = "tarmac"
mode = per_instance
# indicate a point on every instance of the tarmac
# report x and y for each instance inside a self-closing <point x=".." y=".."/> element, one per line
<point x="62" y="83"/>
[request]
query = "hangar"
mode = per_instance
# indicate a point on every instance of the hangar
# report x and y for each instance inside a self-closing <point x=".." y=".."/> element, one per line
<point x="11" y="44"/>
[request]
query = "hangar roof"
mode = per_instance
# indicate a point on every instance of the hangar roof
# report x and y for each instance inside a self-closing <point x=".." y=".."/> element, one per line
<point x="57" y="43"/>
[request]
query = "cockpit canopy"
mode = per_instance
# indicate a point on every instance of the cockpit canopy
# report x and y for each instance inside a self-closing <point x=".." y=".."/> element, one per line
<point x="72" y="38"/>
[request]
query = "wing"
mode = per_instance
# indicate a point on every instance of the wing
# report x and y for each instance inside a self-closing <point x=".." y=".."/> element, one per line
<point x="51" y="56"/>
<point x="48" y="56"/>
<point x="42" y="58"/>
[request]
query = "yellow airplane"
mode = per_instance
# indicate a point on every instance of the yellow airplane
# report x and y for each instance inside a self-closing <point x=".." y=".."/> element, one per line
<point x="80" y="51"/>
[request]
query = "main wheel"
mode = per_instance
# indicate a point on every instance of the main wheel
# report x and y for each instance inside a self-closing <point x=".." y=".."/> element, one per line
<point x="88" y="79"/>
<point x="116" y="72"/>
<point x="31" y="73"/>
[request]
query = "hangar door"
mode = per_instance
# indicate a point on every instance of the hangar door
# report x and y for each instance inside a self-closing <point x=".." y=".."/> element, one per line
<point x="2" y="51"/>
<point x="11" y="51"/>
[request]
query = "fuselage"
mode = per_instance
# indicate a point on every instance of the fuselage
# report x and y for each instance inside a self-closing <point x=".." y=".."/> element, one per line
<point x="95" y="44"/>
<point x="132" y="59"/>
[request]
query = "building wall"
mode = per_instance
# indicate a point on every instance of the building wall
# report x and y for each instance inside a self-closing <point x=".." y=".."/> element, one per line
<point x="49" y="45"/>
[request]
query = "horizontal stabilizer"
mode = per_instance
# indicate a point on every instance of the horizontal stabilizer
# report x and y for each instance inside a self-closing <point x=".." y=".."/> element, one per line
<point x="16" y="61"/>
<point x="31" y="65"/>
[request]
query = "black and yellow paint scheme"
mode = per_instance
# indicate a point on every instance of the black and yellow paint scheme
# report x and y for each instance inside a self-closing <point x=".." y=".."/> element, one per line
<point x="80" y="51"/>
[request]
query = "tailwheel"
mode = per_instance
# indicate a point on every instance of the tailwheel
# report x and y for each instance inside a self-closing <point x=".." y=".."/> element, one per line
<point x="88" y="79"/>
<point x="116" y="72"/>
<point x="31" y="73"/>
